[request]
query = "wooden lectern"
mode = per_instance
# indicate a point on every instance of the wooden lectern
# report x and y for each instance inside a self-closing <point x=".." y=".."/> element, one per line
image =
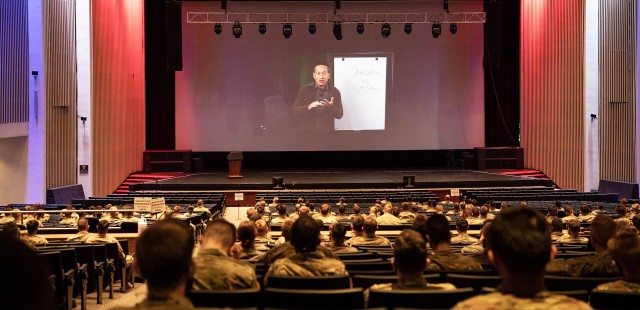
<point x="235" y="164"/>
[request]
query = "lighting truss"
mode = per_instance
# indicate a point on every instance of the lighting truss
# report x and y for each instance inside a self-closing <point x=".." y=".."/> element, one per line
<point x="344" y="18"/>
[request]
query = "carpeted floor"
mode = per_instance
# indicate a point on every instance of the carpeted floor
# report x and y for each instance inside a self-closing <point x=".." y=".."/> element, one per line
<point x="126" y="300"/>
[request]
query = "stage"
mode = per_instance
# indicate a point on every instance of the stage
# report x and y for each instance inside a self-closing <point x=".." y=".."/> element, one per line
<point x="339" y="179"/>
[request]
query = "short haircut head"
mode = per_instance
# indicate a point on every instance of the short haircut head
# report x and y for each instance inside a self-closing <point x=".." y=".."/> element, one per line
<point x="438" y="230"/>
<point x="621" y="210"/>
<point x="164" y="254"/>
<point x="83" y="224"/>
<point x="262" y="227"/>
<point x="303" y="211"/>
<point x="462" y="224"/>
<point x="356" y="209"/>
<point x="370" y="226"/>
<point x="410" y="252"/>
<point x="282" y="210"/>
<point x="247" y="233"/>
<point x="518" y="235"/>
<point x="338" y="233"/>
<point x="420" y="225"/>
<point x="285" y="229"/>
<point x="32" y="226"/>
<point x="624" y="246"/>
<point x="11" y="230"/>
<point x="552" y="210"/>
<point x="325" y="208"/>
<point x="585" y="208"/>
<point x="573" y="226"/>
<point x="556" y="224"/>
<point x="568" y="210"/>
<point x="305" y="234"/>
<point x="357" y="223"/>
<point x="103" y="226"/>
<point x="602" y="228"/>
<point x="341" y="209"/>
<point x="222" y="232"/>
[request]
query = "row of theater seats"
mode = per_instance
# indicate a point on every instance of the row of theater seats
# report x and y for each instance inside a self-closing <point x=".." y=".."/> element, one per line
<point x="536" y="194"/>
<point x="172" y="198"/>
<point x="77" y="269"/>
<point x="350" y="196"/>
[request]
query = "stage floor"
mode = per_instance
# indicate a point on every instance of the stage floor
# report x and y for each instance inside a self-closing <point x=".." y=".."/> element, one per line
<point x="341" y="179"/>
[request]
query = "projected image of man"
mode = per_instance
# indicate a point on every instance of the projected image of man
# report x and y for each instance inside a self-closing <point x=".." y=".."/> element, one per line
<point x="318" y="103"/>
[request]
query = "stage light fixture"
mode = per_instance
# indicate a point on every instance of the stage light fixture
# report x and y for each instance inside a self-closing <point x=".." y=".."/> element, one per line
<point x="385" y="30"/>
<point x="312" y="28"/>
<point x="408" y="28"/>
<point x="453" y="28"/>
<point x="436" y="30"/>
<point x="262" y="28"/>
<point x="217" y="28"/>
<point x="236" y="29"/>
<point x="445" y="5"/>
<point x="287" y="30"/>
<point x="337" y="30"/>
<point x="360" y="28"/>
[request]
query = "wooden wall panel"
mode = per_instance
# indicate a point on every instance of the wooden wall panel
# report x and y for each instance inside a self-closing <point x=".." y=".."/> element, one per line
<point x="60" y="91"/>
<point x="552" y="89"/>
<point x="14" y="62"/>
<point x="618" y="70"/>
<point x="117" y="65"/>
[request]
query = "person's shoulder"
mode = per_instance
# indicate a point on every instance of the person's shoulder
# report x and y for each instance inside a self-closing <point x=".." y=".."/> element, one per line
<point x="542" y="301"/>
<point x="620" y="286"/>
<point x="382" y="286"/>
<point x="493" y="300"/>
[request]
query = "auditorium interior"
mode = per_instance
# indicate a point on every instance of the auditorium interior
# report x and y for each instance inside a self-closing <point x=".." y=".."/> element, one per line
<point x="148" y="108"/>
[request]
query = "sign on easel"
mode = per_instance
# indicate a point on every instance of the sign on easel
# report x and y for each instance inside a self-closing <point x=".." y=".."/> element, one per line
<point x="157" y="205"/>
<point x="142" y="204"/>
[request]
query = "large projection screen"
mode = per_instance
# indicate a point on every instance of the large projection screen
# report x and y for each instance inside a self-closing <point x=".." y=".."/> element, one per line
<point x="238" y="94"/>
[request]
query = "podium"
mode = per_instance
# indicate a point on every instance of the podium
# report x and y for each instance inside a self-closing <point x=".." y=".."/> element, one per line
<point x="235" y="164"/>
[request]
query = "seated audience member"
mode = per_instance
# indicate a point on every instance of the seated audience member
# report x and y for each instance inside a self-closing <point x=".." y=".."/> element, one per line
<point x="177" y="213"/>
<point x="103" y="237"/>
<point x="31" y="216"/>
<point x="83" y="231"/>
<point x="635" y="210"/>
<point x="336" y="238"/>
<point x="440" y="240"/>
<point x="519" y="245"/>
<point x="475" y="217"/>
<point x="261" y="210"/>
<point x="462" y="226"/>
<point x="25" y="283"/>
<point x="356" y="211"/>
<point x="263" y="232"/>
<point x="635" y="221"/>
<point x="214" y="268"/>
<point x="409" y="261"/>
<point x="455" y="209"/>
<point x="31" y="238"/>
<point x="324" y="239"/>
<point x="163" y="258"/>
<point x="250" y="213"/>
<point x="341" y="213"/>
<point x="552" y="213"/>
<point x="625" y="250"/>
<point x="246" y="234"/>
<point x="406" y="214"/>
<point x="127" y="215"/>
<point x="586" y="216"/>
<point x="370" y="225"/>
<point x="7" y="217"/>
<point x="274" y="204"/>
<point x="357" y="227"/>
<point x="388" y="218"/>
<point x="307" y="261"/>
<point x="325" y="214"/>
<point x="478" y="248"/>
<point x="200" y="207"/>
<point x="440" y="210"/>
<point x="621" y="210"/>
<point x="420" y="225"/>
<point x="568" y="211"/>
<point x="283" y="247"/>
<point x="573" y="236"/>
<point x="374" y="211"/>
<point x="302" y="211"/>
<point x="67" y="219"/>
<point x="484" y="213"/>
<point x="447" y="203"/>
<point x="11" y="230"/>
<point x="602" y="228"/>
<point x="557" y="229"/>
<point x="114" y="215"/>
<point x="599" y="209"/>
<point x="342" y="202"/>
<point x="282" y="215"/>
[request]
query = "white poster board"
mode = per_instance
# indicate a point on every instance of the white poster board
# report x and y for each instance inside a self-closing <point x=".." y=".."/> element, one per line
<point x="362" y="82"/>
<point x="142" y="204"/>
<point x="157" y="205"/>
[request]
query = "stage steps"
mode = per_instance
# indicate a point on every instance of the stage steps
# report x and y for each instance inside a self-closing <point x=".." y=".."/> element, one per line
<point x="529" y="173"/>
<point x="141" y="177"/>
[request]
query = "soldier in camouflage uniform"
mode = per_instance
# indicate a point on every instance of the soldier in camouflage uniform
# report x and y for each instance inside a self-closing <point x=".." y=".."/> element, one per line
<point x="307" y="261"/>
<point x="519" y="244"/>
<point x="215" y="269"/>
<point x="463" y="237"/>
<point x="602" y="228"/>
<point x="31" y="238"/>
<point x="625" y="249"/>
<point x="370" y="226"/>
<point x="439" y="237"/>
<point x="83" y="231"/>
<point x="337" y="236"/>
<point x="166" y="268"/>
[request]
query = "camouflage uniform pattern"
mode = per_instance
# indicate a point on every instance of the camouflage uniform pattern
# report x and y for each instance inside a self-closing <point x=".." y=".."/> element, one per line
<point x="80" y="236"/>
<point x="307" y="265"/>
<point x="567" y="218"/>
<point x="463" y="237"/>
<point x="217" y="271"/>
<point x="279" y="220"/>
<point x="285" y="250"/>
<point x="407" y="286"/>
<point x="475" y="248"/>
<point x="447" y="260"/>
<point x="555" y="235"/>
<point x="31" y="240"/>
<point x="171" y="303"/>
<point x="343" y="249"/>
<point x="543" y="301"/>
<point x="407" y="216"/>
<point x="388" y="219"/>
<point x="571" y="239"/>
<point x="586" y="218"/>
<point x="589" y="265"/>
<point x="364" y="240"/>
<point x="620" y="286"/>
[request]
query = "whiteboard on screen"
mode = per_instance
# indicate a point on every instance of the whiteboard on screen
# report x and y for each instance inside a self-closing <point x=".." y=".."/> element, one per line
<point x="362" y="82"/>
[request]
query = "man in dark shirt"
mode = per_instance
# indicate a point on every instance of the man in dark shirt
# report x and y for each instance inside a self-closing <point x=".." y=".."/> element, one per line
<point x="318" y="103"/>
